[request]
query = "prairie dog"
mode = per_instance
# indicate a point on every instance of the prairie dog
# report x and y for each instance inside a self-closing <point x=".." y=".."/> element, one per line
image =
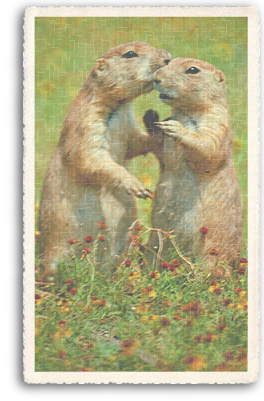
<point x="198" y="186"/>
<point x="86" y="181"/>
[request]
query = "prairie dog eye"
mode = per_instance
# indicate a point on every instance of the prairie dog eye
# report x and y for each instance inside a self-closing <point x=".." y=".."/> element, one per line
<point x="192" y="70"/>
<point x="130" y="54"/>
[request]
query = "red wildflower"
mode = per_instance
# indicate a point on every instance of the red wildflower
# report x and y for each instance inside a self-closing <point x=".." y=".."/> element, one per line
<point x="165" y="321"/>
<point x="94" y="298"/>
<point x="198" y="337"/>
<point x="73" y="291"/>
<point x="139" y="228"/>
<point x="213" y="283"/>
<point x="37" y="296"/>
<point x="171" y="267"/>
<point x="164" y="265"/>
<point x="62" y="322"/>
<point x="218" y="290"/>
<point x="213" y="251"/>
<point x="102" y="225"/>
<point x="227" y="301"/>
<point x="237" y="290"/>
<point x="102" y="238"/>
<point x="175" y="262"/>
<point x="148" y="289"/>
<point x="241" y="270"/>
<point x="128" y="262"/>
<point x="154" y="274"/>
<point x="208" y="338"/>
<point x="243" y="260"/>
<point x="69" y="281"/>
<point x="88" y="239"/>
<point x="72" y="241"/>
<point x="221" y="327"/>
<point x="86" y="250"/>
<point x="99" y="302"/>
<point x="203" y="230"/>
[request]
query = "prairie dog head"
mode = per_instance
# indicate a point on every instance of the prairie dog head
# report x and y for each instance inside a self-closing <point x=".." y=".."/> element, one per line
<point x="126" y="71"/>
<point x="188" y="83"/>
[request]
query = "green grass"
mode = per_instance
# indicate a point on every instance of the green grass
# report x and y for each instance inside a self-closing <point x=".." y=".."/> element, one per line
<point x="120" y="318"/>
<point x="66" y="49"/>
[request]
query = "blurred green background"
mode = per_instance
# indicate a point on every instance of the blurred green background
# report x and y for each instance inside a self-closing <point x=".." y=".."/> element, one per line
<point x="66" y="49"/>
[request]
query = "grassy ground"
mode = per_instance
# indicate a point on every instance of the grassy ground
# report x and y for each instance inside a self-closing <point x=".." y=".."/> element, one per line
<point x="130" y="317"/>
<point x="119" y="333"/>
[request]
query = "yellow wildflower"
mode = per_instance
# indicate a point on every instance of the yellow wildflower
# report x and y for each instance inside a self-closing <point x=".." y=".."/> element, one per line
<point x="64" y="305"/>
<point x="62" y="333"/>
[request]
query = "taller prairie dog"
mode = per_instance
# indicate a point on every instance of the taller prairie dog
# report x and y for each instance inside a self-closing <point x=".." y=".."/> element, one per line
<point x="87" y="181"/>
<point x="197" y="195"/>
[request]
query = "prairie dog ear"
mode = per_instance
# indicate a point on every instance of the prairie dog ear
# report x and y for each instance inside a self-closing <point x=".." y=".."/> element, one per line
<point x="100" y="67"/>
<point x="219" y="76"/>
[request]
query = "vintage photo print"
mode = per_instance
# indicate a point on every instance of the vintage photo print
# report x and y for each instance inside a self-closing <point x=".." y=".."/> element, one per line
<point x="141" y="183"/>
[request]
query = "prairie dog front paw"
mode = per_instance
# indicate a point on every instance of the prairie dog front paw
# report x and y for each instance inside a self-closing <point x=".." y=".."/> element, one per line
<point x="171" y="128"/>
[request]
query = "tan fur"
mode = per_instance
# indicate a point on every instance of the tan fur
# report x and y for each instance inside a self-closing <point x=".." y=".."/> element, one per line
<point x="87" y="181"/>
<point x="198" y="186"/>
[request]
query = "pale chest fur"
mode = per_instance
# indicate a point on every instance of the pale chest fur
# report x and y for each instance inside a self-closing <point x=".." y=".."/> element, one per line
<point x="119" y="127"/>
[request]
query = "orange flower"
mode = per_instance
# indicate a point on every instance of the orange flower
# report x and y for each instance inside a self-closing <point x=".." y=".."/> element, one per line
<point x="99" y="302"/>
<point x="175" y="262"/>
<point x="209" y="337"/>
<point x="69" y="281"/>
<point x="37" y="299"/>
<point x="171" y="267"/>
<point x="73" y="291"/>
<point x="102" y="225"/>
<point x="227" y="301"/>
<point x="154" y="274"/>
<point x="194" y="307"/>
<point x="72" y="241"/>
<point x="221" y="327"/>
<point x="198" y="338"/>
<point x="203" y="230"/>
<point x="243" y="262"/>
<point x="128" y="346"/>
<point x="133" y="274"/>
<point x="177" y="316"/>
<point x="237" y="290"/>
<point x="102" y="238"/>
<point x="88" y="239"/>
<point x="165" y="321"/>
<point x="189" y="321"/>
<point x="85" y="252"/>
<point x="213" y="251"/>
<point x="241" y="270"/>
<point x="213" y="283"/>
<point x="164" y="265"/>
<point x="194" y="362"/>
<point x="128" y="262"/>
<point x="218" y="291"/>
<point x="62" y="354"/>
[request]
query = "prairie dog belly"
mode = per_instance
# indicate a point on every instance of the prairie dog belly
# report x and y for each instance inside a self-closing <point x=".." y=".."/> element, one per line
<point x="177" y="192"/>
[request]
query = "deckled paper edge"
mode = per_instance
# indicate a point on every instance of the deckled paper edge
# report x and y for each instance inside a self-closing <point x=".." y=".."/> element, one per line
<point x="30" y="376"/>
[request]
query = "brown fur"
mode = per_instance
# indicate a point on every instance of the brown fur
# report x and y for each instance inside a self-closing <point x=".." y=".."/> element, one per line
<point x="87" y="181"/>
<point x="198" y="186"/>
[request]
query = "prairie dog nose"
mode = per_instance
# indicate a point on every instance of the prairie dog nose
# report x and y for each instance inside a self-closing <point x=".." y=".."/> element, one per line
<point x="168" y="58"/>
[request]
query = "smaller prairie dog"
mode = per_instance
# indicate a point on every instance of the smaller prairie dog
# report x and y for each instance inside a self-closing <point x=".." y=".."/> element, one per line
<point x="87" y="181"/>
<point x="198" y="186"/>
